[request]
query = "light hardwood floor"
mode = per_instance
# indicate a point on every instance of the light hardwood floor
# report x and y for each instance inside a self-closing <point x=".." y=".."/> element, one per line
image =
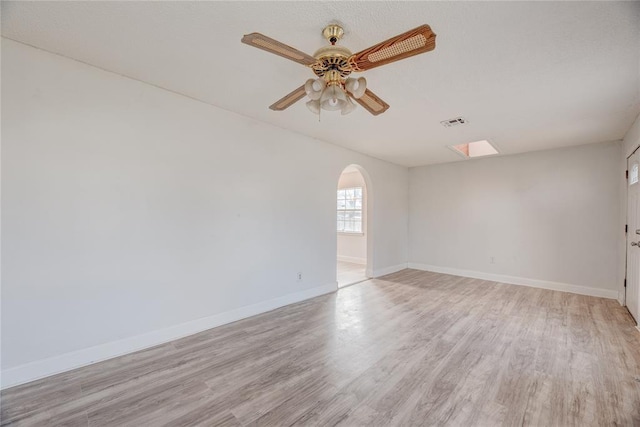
<point x="350" y="273"/>
<point x="412" y="348"/>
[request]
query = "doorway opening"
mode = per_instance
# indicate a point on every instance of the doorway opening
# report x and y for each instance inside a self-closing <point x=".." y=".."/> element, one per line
<point x="353" y="231"/>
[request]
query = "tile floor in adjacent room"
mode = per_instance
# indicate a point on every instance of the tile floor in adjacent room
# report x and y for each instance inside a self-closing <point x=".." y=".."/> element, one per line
<point x="350" y="273"/>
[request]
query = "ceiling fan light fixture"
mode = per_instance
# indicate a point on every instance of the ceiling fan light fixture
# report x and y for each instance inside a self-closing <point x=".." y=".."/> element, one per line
<point x="333" y="98"/>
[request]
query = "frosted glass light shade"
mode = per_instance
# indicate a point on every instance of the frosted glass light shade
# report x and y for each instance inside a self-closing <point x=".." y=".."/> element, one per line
<point x="333" y="98"/>
<point x="349" y="106"/>
<point x="314" y="88"/>
<point x="314" y="106"/>
<point x="356" y="87"/>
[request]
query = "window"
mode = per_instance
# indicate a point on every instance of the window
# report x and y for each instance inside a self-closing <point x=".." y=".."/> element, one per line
<point x="633" y="175"/>
<point x="350" y="210"/>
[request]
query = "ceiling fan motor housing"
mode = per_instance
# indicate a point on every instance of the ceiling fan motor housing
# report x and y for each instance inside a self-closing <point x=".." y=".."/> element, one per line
<point x="333" y="60"/>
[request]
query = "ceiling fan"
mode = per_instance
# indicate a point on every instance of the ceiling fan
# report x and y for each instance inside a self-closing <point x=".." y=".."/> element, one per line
<point x="333" y="89"/>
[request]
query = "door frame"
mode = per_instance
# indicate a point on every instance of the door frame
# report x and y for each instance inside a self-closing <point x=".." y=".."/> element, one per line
<point x="627" y="233"/>
<point x="368" y="223"/>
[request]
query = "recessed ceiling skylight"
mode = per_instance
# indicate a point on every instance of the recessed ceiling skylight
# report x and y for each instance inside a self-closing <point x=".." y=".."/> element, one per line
<point x="475" y="149"/>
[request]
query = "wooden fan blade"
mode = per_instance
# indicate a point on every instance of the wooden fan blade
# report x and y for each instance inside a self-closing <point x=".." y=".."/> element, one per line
<point x="372" y="103"/>
<point x="274" y="46"/>
<point x="419" y="40"/>
<point x="288" y="100"/>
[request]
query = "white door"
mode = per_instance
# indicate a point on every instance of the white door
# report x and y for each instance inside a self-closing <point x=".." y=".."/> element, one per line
<point x="632" y="297"/>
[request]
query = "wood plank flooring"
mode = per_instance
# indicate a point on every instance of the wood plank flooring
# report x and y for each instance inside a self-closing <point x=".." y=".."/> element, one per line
<point x="350" y="273"/>
<point x="411" y="348"/>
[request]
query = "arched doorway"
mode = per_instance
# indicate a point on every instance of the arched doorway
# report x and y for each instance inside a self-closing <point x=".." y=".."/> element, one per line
<point x="353" y="230"/>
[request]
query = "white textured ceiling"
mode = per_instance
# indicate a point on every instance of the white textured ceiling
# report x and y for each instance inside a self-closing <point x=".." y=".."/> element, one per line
<point x="527" y="75"/>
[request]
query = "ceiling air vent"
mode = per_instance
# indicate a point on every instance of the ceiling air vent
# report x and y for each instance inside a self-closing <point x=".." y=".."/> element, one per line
<point x="454" y="122"/>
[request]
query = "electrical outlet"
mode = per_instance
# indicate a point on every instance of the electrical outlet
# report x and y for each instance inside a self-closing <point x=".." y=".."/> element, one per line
<point x="300" y="276"/>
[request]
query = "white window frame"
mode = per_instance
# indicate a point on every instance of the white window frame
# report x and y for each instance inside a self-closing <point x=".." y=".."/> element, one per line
<point x="354" y="209"/>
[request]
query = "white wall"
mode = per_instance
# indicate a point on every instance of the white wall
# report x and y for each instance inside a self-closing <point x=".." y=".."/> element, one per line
<point x="548" y="218"/>
<point x="132" y="215"/>
<point x="353" y="247"/>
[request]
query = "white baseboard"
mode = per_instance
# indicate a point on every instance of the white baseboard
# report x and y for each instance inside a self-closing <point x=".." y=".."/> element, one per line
<point x="388" y="270"/>
<point x="68" y="361"/>
<point x="512" y="280"/>
<point x="352" y="259"/>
